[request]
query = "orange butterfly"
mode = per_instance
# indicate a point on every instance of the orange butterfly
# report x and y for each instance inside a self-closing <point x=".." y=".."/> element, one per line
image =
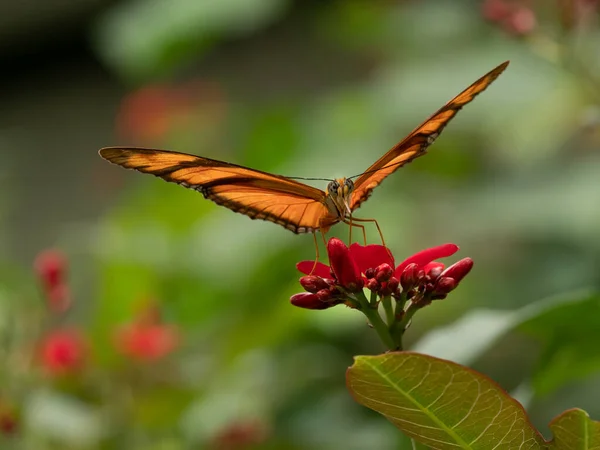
<point x="282" y="200"/>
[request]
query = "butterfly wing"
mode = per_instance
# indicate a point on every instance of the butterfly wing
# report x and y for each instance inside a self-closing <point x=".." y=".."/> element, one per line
<point x="416" y="143"/>
<point x="259" y="195"/>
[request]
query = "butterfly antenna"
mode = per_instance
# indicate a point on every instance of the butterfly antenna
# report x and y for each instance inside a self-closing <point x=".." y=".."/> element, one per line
<point x="309" y="179"/>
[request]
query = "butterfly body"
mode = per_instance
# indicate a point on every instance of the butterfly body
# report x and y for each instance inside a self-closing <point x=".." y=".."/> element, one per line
<point x="296" y="206"/>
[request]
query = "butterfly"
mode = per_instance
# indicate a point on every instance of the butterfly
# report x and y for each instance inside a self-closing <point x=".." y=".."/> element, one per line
<point x="285" y="201"/>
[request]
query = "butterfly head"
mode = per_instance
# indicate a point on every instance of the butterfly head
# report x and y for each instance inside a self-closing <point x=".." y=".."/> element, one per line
<point x="338" y="193"/>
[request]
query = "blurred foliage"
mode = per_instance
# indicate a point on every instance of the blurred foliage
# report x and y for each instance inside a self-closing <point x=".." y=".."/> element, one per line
<point x="319" y="89"/>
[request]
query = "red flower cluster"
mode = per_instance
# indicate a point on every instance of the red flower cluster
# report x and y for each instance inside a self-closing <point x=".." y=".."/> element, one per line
<point x="63" y="352"/>
<point x="518" y="17"/>
<point x="419" y="278"/>
<point x="147" y="338"/>
<point x="51" y="268"/>
<point x="148" y="114"/>
<point x="515" y="16"/>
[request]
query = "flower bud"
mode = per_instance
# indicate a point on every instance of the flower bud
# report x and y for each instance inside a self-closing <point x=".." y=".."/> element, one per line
<point x="383" y="272"/>
<point x="313" y="283"/>
<point x="434" y="271"/>
<point x="444" y="285"/>
<point x="458" y="270"/>
<point x="409" y="277"/>
<point x="309" y="301"/>
<point x="373" y="285"/>
<point x="324" y="295"/>
<point x="370" y="273"/>
<point x="393" y="285"/>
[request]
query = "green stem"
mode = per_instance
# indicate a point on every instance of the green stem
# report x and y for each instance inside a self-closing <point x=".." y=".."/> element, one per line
<point x="389" y="310"/>
<point x="373" y="300"/>
<point x="401" y="325"/>
<point x="376" y="321"/>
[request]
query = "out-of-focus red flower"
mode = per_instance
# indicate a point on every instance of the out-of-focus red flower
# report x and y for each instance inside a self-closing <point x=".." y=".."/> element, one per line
<point x="147" y="338"/>
<point x="521" y="22"/>
<point x="149" y="113"/>
<point x="8" y="419"/>
<point x="51" y="268"/>
<point x="240" y="435"/>
<point x="576" y="12"/>
<point x="63" y="352"/>
<point x="514" y="16"/>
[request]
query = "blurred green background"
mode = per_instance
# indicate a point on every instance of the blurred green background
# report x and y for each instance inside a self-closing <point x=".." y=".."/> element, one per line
<point x="300" y="88"/>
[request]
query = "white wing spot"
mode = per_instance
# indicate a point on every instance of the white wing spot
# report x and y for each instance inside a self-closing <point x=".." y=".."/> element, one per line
<point x="432" y="137"/>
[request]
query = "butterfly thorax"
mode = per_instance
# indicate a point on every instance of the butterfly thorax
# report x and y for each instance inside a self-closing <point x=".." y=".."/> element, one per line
<point x="339" y="192"/>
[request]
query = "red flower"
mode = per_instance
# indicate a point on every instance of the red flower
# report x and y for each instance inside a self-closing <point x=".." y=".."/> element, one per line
<point x="63" y="352"/>
<point x="147" y="338"/>
<point x="419" y="276"/>
<point x="51" y="268"/>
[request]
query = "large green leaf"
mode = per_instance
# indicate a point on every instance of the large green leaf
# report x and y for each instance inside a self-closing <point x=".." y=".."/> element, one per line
<point x="440" y="403"/>
<point x="566" y="326"/>
<point x="573" y="430"/>
<point x="142" y="38"/>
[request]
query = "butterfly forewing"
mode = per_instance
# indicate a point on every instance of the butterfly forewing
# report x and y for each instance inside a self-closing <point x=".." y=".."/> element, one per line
<point x="416" y="143"/>
<point x="259" y="195"/>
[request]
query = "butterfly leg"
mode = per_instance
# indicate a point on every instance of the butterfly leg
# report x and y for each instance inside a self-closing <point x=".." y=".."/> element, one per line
<point x="316" y="253"/>
<point x="349" y="222"/>
<point x="378" y="228"/>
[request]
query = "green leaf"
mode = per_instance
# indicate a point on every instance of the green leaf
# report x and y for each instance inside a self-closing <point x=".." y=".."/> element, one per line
<point x="440" y="403"/>
<point x="143" y="38"/>
<point x="566" y="326"/>
<point x="568" y="331"/>
<point x="573" y="429"/>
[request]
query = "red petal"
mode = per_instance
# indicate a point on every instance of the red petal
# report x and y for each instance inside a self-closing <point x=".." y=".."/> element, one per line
<point x="343" y="265"/>
<point x="321" y="270"/>
<point x="371" y="256"/>
<point x="313" y="283"/>
<point x="426" y="256"/>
